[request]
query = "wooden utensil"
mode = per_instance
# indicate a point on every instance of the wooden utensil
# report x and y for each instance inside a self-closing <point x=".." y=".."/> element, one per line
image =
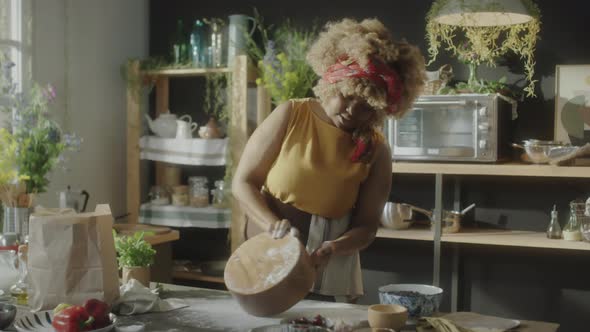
<point x="268" y="276"/>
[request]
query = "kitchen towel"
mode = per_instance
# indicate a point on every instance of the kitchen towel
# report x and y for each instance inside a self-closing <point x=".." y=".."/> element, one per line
<point x="137" y="299"/>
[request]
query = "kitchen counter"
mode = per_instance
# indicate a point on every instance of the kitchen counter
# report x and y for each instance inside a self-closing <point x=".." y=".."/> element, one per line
<point x="213" y="310"/>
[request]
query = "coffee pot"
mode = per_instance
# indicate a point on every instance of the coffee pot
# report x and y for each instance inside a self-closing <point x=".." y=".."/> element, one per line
<point x="73" y="199"/>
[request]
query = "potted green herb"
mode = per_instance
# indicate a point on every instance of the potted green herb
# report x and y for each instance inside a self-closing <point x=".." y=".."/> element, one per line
<point x="135" y="257"/>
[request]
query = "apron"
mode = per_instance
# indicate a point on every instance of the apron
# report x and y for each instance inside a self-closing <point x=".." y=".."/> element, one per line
<point x="342" y="276"/>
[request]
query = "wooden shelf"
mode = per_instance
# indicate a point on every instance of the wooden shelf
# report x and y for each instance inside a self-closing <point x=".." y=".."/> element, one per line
<point x="197" y="276"/>
<point x="163" y="238"/>
<point x="492" y="237"/>
<point x="186" y="72"/>
<point x="420" y="234"/>
<point x="509" y="169"/>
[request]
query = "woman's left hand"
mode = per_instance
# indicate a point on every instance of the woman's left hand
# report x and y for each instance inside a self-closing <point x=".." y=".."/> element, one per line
<point x="321" y="255"/>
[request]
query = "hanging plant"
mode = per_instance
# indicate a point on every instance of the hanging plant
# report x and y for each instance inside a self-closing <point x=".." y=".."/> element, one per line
<point x="485" y="44"/>
<point x="215" y="101"/>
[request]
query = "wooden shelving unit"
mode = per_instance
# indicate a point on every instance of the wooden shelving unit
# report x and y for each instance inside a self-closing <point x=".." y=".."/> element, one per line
<point x="243" y="76"/>
<point x="197" y="276"/>
<point x="186" y="72"/>
<point x="509" y="169"/>
<point x="492" y="237"/>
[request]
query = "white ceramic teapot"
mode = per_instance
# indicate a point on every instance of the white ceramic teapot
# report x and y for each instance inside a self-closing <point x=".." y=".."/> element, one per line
<point x="166" y="123"/>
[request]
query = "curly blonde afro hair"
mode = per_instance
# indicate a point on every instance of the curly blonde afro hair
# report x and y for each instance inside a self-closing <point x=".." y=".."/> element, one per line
<point x="361" y="41"/>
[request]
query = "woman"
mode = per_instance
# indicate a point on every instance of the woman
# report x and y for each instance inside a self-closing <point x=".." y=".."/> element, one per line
<point x="321" y="166"/>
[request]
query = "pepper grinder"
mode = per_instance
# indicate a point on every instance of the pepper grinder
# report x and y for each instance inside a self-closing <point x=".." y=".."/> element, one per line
<point x="554" y="230"/>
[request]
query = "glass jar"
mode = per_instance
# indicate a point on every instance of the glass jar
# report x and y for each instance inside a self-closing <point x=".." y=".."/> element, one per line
<point x="571" y="231"/>
<point x="585" y="221"/>
<point x="199" y="193"/>
<point x="220" y="194"/>
<point x="180" y="196"/>
<point x="159" y="195"/>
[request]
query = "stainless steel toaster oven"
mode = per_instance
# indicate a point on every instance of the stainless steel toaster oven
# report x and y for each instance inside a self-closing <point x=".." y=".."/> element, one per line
<point x="466" y="127"/>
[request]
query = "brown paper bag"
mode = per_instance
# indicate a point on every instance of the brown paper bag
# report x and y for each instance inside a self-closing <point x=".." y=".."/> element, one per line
<point x="71" y="258"/>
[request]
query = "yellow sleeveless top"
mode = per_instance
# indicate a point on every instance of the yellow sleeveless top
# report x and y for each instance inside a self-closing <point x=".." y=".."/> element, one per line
<point x="313" y="170"/>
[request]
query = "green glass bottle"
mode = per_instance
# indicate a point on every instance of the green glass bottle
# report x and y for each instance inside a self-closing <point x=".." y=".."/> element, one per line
<point x="198" y="45"/>
<point x="179" y="44"/>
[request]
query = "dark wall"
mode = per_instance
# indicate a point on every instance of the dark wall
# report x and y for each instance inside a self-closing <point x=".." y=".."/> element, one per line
<point x="512" y="282"/>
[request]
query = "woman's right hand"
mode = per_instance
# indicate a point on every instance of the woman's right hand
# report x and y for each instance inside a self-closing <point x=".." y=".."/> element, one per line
<point x="279" y="228"/>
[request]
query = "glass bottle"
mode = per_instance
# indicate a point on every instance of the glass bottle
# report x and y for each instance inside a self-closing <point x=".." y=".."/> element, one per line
<point x="199" y="194"/>
<point x="19" y="290"/>
<point x="198" y="44"/>
<point x="585" y="222"/>
<point x="571" y="231"/>
<point x="219" y="194"/>
<point x="179" y="44"/>
<point x="554" y="230"/>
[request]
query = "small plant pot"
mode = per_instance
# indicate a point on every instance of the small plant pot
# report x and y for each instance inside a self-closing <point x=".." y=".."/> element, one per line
<point x="141" y="274"/>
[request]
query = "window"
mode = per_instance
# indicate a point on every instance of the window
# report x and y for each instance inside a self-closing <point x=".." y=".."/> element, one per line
<point x="15" y="40"/>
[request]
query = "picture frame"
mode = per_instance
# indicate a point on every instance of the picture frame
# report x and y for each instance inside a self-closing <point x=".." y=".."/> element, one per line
<point x="572" y="104"/>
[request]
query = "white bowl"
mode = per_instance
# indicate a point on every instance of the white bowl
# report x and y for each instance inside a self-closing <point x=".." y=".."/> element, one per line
<point x="420" y="300"/>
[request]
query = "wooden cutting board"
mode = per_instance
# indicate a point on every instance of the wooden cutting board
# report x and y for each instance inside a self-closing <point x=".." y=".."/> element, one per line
<point x="130" y="229"/>
<point x="160" y="234"/>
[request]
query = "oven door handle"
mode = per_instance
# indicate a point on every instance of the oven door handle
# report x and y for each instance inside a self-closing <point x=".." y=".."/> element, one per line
<point x="430" y="103"/>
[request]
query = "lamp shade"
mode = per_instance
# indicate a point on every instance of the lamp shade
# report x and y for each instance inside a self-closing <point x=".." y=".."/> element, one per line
<point x="483" y="13"/>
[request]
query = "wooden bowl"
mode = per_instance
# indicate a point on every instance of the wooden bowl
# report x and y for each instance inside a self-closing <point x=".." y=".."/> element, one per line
<point x="391" y="316"/>
<point x="268" y="276"/>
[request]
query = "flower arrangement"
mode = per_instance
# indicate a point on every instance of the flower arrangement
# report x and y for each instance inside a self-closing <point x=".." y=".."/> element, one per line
<point x="283" y="70"/>
<point x="35" y="144"/>
<point x="475" y="45"/>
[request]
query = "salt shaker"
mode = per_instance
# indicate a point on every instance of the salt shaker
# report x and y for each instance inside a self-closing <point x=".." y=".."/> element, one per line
<point x="554" y="230"/>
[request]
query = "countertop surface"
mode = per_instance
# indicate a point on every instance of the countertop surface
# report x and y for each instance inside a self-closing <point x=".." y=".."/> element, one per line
<point x="213" y="310"/>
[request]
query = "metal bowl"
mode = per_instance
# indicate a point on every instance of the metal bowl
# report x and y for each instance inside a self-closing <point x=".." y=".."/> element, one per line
<point x="537" y="151"/>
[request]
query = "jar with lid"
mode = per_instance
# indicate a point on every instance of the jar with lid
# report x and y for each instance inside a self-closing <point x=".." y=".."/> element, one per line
<point x="159" y="195"/>
<point x="571" y="231"/>
<point x="220" y="194"/>
<point x="180" y="195"/>
<point x="199" y="193"/>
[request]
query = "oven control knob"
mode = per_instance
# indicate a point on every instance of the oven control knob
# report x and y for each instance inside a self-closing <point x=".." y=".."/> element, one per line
<point x="483" y="144"/>
<point x="483" y="111"/>
<point x="484" y="126"/>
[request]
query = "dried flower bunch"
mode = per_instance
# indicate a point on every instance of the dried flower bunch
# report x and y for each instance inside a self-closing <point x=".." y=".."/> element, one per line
<point x="283" y="69"/>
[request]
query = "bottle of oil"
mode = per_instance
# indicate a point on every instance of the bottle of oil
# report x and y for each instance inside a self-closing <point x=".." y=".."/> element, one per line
<point x="554" y="230"/>
<point x="19" y="290"/>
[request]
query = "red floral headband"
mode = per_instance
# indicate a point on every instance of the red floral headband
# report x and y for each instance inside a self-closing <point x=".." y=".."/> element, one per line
<point x="376" y="72"/>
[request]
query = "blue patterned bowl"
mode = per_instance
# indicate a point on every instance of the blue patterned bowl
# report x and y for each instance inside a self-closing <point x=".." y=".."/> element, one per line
<point x="420" y="300"/>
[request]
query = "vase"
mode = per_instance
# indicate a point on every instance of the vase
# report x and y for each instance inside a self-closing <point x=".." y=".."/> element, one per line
<point x="139" y="273"/>
<point x="16" y="220"/>
<point x="472" y="81"/>
<point x="210" y="130"/>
